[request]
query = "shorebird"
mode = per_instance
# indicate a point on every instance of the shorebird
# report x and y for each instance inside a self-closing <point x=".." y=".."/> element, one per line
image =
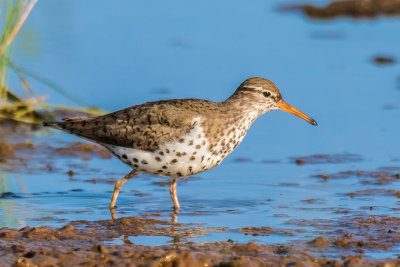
<point x="179" y="137"/>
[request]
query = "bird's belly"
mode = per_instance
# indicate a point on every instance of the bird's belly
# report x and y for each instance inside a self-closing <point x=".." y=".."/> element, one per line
<point x="184" y="157"/>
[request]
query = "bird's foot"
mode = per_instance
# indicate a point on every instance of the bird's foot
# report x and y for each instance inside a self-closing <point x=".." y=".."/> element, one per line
<point x="177" y="209"/>
<point x="112" y="212"/>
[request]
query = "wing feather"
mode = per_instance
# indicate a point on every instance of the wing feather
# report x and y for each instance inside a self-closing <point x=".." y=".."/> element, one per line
<point x="142" y="127"/>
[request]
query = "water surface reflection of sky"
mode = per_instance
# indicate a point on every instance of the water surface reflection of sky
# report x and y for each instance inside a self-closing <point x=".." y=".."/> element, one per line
<point x="122" y="53"/>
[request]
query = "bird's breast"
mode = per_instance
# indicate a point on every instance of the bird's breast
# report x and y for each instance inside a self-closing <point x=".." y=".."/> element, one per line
<point x="186" y="155"/>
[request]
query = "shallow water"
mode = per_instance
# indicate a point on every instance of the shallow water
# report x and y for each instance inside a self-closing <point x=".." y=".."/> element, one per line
<point x="117" y="55"/>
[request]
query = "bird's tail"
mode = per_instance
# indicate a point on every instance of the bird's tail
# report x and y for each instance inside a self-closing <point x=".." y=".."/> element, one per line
<point x="53" y="124"/>
<point x="66" y="122"/>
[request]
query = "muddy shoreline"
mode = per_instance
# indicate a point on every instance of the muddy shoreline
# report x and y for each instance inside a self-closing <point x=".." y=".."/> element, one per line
<point x="87" y="243"/>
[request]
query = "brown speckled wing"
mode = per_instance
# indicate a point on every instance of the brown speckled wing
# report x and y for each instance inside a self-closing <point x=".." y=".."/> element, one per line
<point x="141" y="127"/>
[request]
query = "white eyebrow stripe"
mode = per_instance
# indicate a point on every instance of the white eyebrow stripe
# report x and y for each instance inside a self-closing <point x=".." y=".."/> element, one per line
<point x="254" y="87"/>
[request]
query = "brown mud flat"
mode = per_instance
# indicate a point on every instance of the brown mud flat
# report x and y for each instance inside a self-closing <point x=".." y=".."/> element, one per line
<point x="29" y="157"/>
<point x="84" y="243"/>
<point x="382" y="60"/>
<point x="264" y="231"/>
<point x="348" y="8"/>
<point x="21" y="153"/>
<point x="388" y="176"/>
<point x="327" y="158"/>
<point x="356" y="233"/>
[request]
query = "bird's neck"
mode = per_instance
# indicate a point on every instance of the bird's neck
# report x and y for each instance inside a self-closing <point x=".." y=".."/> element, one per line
<point x="242" y="107"/>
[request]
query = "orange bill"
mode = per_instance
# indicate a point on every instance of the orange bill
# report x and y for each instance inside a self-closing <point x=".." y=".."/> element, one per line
<point x="289" y="108"/>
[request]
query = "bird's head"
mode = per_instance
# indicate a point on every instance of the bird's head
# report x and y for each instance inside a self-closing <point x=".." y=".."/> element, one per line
<point x="265" y="96"/>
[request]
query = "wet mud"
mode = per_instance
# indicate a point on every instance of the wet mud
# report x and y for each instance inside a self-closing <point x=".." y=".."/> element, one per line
<point x="87" y="243"/>
<point x="379" y="177"/>
<point x="384" y="60"/>
<point x="348" y="8"/>
<point x="326" y="158"/>
<point x="30" y="157"/>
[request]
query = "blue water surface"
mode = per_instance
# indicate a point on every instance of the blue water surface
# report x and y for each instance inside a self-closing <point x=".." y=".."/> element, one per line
<point x="115" y="54"/>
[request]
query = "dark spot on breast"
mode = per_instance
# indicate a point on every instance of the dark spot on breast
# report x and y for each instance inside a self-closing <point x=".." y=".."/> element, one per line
<point x="192" y="158"/>
<point x="144" y="162"/>
<point x="204" y="142"/>
<point x="181" y="140"/>
<point x="161" y="153"/>
<point x="190" y="169"/>
<point x="174" y="161"/>
<point x="164" y="167"/>
<point x="197" y="146"/>
<point x="194" y="153"/>
<point x="167" y="150"/>
<point x="202" y="158"/>
<point x="179" y="173"/>
<point x="135" y="165"/>
<point x="128" y="162"/>
<point x="158" y="158"/>
<point x="135" y="160"/>
<point x="190" y="142"/>
<point x="159" y="171"/>
<point x="199" y="136"/>
<point x="124" y="156"/>
<point x="178" y="154"/>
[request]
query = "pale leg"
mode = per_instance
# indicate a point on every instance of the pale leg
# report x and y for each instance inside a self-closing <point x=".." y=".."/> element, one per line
<point x="118" y="186"/>
<point x="174" y="196"/>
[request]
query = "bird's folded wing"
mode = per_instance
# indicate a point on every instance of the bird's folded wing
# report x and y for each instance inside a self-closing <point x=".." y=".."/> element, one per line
<point x="142" y="127"/>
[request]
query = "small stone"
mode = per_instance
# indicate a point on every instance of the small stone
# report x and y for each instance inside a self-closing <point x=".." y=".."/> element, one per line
<point x="24" y="262"/>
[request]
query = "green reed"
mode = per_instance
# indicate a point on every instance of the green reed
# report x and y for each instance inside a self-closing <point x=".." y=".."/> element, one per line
<point x="30" y="108"/>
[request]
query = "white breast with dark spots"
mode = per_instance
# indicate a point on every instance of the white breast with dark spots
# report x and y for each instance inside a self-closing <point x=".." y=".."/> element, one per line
<point x="181" y="157"/>
<point x="187" y="155"/>
<point x="232" y="136"/>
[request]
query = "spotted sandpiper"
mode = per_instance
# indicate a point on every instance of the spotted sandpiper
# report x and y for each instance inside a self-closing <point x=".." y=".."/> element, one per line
<point x="179" y="137"/>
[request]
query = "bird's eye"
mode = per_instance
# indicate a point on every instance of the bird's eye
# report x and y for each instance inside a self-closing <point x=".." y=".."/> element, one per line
<point x="267" y="94"/>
